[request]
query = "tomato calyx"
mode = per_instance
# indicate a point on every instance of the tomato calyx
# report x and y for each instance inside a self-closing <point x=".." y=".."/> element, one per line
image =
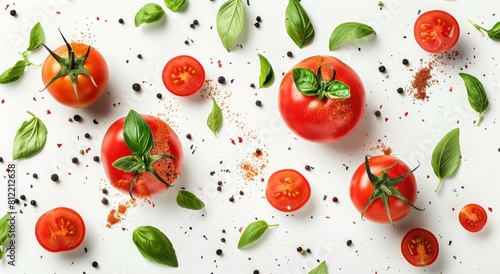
<point x="71" y="66"/>
<point x="139" y="139"/>
<point x="320" y="84"/>
<point x="385" y="187"/>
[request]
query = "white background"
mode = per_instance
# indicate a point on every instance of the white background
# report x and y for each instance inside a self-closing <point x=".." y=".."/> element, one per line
<point x="322" y="226"/>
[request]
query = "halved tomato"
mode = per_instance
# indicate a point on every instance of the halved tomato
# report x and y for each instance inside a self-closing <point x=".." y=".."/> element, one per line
<point x="60" y="229"/>
<point x="420" y="247"/>
<point x="436" y="31"/>
<point x="287" y="190"/>
<point x="473" y="217"/>
<point x="183" y="75"/>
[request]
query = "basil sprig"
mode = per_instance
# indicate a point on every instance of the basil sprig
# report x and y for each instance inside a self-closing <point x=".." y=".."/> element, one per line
<point x="175" y="5"/>
<point x="154" y="245"/>
<point x="4" y="233"/>
<point x="139" y="139"/>
<point x="253" y="232"/>
<point x="230" y="22"/>
<point x="475" y="94"/>
<point x="149" y="13"/>
<point x="15" y="72"/>
<point x="188" y="200"/>
<point x="30" y="138"/>
<point x="312" y="84"/>
<point x="320" y="269"/>
<point x="214" y="119"/>
<point x="446" y="156"/>
<point x="266" y="77"/>
<point x="349" y="31"/>
<point x="493" y="33"/>
<point x="298" y="25"/>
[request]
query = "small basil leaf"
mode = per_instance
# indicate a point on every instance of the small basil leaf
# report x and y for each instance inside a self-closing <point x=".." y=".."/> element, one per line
<point x="476" y="94"/>
<point x="30" y="138"/>
<point x="188" y="200"/>
<point x="13" y="73"/>
<point x="214" y="120"/>
<point x="137" y="134"/>
<point x="253" y="232"/>
<point x="4" y="233"/>
<point x="298" y="25"/>
<point x="266" y="77"/>
<point x="129" y="164"/>
<point x="149" y="13"/>
<point x="154" y="245"/>
<point x="175" y="5"/>
<point x="36" y="37"/>
<point x="306" y="81"/>
<point x="446" y="156"/>
<point x="337" y="89"/>
<point x="349" y="31"/>
<point x="320" y="269"/>
<point x="230" y="22"/>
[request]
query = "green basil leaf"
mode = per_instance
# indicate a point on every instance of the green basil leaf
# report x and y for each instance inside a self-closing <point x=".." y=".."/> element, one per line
<point x="214" y="120"/>
<point x="253" y="232"/>
<point x="446" y="156"/>
<point x="337" y="89"/>
<point x="36" y="37"/>
<point x="13" y="73"/>
<point x="30" y="138"/>
<point x="349" y="31"/>
<point x="188" y="200"/>
<point x="230" y="22"/>
<point x="4" y="233"/>
<point x="154" y="245"/>
<point x="493" y="33"/>
<point x="266" y="77"/>
<point x="320" y="269"/>
<point x="476" y="94"/>
<point x="306" y="81"/>
<point x="137" y="134"/>
<point x="129" y="164"/>
<point x="175" y="5"/>
<point x="149" y="13"/>
<point x="298" y="25"/>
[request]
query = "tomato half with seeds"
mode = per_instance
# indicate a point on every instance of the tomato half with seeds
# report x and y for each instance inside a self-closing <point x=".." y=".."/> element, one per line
<point x="156" y="173"/>
<point x="60" y="229"/>
<point x="287" y="190"/>
<point x="436" y="31"/>
<point x="321" y="99"/>
<point x="473" y="217"/>
<point x="420" y="247"/>
<point x="183" y="75"/>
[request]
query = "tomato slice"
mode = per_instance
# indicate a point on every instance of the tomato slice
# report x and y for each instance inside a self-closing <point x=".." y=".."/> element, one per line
<point x="473" y="217"/>
<point x="420" y="247"/>
<point x="60" y="229"/>
<point x="183" y="75"/>
<point x="436" y="31"/>
<point x="287" y="190"/>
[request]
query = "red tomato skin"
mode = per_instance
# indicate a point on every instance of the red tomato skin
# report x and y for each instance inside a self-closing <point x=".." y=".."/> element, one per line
<point x="113" y="147"/>
<point x="62" y="88"/>
<point x="417" y="240"/>
<point x="48" y="225"/>
<point x="446" y="40"/>
<point x="276" y="184"/>
<point x="473" y="217"/>
<point x="361" y="189"/>
<point x="194" y="81"/>
<point x="328" y="120"/>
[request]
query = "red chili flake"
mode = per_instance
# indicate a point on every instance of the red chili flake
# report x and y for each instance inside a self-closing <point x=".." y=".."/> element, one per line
<point x="240" y="140"/>
<point x="6" y="6"/>
<point x="87" y="150"/>
<point x="59" y="145"/>
<point x="233" y="142"/>
<point x="328" y="217"/>
<point x="386" y="119"/>
<point x="219" y="63"/>
<point x="98" y="18"/>
<point x="406" y="113"/>
<point x="48" y="111"/>
<point x="490" y="209"/>
<point x="58" y="12"/>
<point x="3" y="101"/>
<point x="453" y="209"/>
<point x="239" y="230"/>
<point x="428" y="176"/>
<point x="380" y="107"/>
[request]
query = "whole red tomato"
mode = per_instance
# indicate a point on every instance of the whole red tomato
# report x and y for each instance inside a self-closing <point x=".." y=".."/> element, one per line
<point x="323" y="103"/>
<point x="379" y="180"/>
<point x="77" y="77"/>
<point x="145" y="182"/>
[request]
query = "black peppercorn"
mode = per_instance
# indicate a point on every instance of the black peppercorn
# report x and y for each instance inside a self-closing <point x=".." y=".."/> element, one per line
<point x="195" y="22"/>
<point x="400" y="90"/>
<point x="104" y="201"/>
<point x="241" y="192"/>
<point x="136" y="87"/>
<point x="186" y="42"/>
<point x="16" y="200"/>
<point x="231" y="199"/>
<point x="258" y="19"/>
<point x="219" y="188"/>
<point x="406" y="62"/>
<point x="223" y="240"/>
<point x="33" y="202"/>
<point x="308" y="250"/>
<point x="87" y="135"/>
<point x="96" y="158"/>
<point x="94" y="264"/>
<point x="307" y="167"/>
<point x="258" y="103"/>
<point x="54" y="177"/>
<point x="120" y="21"/>
<point x="256" y="272"/>
<point x="335" y="199"/>
<point x="188" y="136"/>
<point x="22" y="197"/>
<point x="252" y="85"/>
<point x="74" y="160"/>
<point x="104" y="191"/>
<point x="139" y="56"/>
<point x="35" y="175"/>
<point x="158" y="95"/>
<point x="1" y="160"/>
<point x="77" y="117"/>
<point x="289" y="54"/>
<point x="219" y="183"/>
<point x="95" y="122"/>
<point x="349" y="242"/>
<point x="377" y="113"/>
<point x="382" y="69"/>
<point x="191" y="25"/>
<point x="257" y="24"/>
<point x="299" y="249"/>
<point x="13" y="12"/>
<point x="221" y="80"/>
<point x="218" y="252"/>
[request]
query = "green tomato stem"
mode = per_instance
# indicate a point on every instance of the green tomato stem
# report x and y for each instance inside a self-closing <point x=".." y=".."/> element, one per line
<point x="478" y="27"/>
